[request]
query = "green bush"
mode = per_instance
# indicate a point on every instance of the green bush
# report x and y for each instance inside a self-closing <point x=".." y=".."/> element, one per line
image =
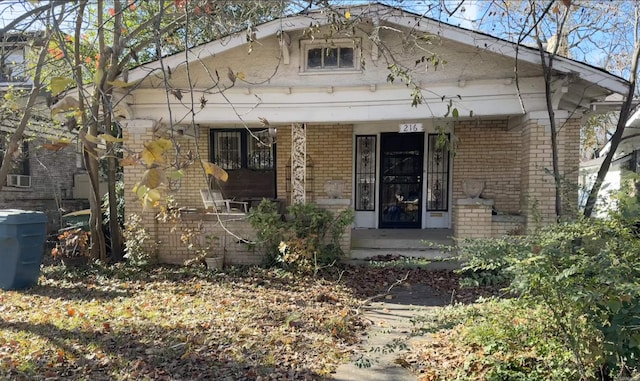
<point x="493" y="340"/>
<point x="517" y="342"/>
<point x="306" y="240"/>
<point x="139" y="248"/>
<point x="586" y="274"/>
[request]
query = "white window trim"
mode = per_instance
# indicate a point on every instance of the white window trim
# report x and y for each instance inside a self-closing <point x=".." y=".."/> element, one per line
<point x="354" y="43"/>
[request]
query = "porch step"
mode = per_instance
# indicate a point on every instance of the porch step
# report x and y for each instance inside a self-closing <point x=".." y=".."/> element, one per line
<point x="408" y="239"/>
<point x="424" y="253"/>
<point x="398" y="244"/>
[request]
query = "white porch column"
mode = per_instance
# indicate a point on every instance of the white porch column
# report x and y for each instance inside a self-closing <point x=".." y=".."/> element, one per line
<point x="298" y="163"/>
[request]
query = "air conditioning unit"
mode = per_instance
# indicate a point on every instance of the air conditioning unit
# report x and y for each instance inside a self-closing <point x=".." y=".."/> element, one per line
<point x="19" y="181"/>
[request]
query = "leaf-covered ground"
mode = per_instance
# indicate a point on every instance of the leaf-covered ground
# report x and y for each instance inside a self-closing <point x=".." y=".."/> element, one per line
<point x="171" y="323"/>
<point x="178" y="323"/>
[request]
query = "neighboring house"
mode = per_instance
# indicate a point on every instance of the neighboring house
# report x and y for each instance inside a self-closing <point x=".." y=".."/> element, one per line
<point x="347" y="137"/>
<point x="626" y="160"/>
<point x="51" y="181"/>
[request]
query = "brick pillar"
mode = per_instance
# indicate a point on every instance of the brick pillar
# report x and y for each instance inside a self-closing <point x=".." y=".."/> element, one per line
<point x="537" y="200"/>
<point x="472" y="218"/>
<point x="137" y="132"/>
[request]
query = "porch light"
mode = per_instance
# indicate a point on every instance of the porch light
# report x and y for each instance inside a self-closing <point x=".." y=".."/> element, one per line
<point x="273" y="132"/>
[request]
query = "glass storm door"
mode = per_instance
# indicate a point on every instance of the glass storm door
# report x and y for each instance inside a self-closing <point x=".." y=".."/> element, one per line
<point x="401" y="180"/>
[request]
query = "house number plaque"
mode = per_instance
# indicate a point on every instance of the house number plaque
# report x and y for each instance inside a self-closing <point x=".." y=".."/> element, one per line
<point x="411" y="127"/>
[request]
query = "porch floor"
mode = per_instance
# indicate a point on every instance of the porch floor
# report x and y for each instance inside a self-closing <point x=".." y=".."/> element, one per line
<point x="366" y="243"/>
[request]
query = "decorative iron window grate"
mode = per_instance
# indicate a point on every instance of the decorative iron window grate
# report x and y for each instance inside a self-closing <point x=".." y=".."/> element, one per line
<point x="365" y="172"/>
<point x="235" y="149"/>
<point x="438" y="172"/>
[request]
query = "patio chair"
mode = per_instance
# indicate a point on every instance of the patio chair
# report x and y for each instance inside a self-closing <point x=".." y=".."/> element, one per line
<point x="213" y="199"/>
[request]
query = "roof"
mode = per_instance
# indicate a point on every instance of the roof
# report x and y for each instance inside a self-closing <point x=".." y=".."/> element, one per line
<point x="402" y="18"/>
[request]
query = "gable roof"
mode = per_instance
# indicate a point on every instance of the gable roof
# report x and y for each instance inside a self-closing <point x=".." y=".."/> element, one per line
<point x="400" y="17"/>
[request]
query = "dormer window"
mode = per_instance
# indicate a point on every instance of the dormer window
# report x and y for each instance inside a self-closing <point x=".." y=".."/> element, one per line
<point x="331" y="56"/>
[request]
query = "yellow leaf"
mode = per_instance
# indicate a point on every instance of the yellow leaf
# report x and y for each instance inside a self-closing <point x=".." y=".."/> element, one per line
<point x="347" y="15"/>
<point x="153" y="195"/>
<point x="122" y="84"/>
<point x="59" y="84"/>
<point x="150" y="157"/>
<point x="152" y="178"/>
<point x="91" y="138"/>
<point x="110" y="139"/>
<point x="215" y="171"/>
<point x="162" y="143"/>
<point x="153" y="151"/>
<point x="97" y="78"/>
<point x="129" y="160"/>
<point x="240" y="75"/>
<point x="175" y="174"/>
<point x="140" y="190"/>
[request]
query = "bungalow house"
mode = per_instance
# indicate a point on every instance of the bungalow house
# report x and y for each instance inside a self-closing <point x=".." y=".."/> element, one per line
<point x="345" y="133"/>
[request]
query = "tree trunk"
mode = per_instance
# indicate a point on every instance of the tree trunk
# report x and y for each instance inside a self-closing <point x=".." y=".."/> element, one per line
<point x="625" y="111"/>
<point x="16" y="137"/>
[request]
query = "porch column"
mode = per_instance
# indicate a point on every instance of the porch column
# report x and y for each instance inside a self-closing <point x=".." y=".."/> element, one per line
<point x="537" y="200"/>
<point x="298" y="163"/>
<point x="137" y="132"/>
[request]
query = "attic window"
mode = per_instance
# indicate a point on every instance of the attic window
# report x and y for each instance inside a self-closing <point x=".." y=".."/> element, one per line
<point x="331" y="56"/>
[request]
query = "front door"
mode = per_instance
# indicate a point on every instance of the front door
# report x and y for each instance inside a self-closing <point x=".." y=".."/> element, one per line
<point x="401" y="180"/>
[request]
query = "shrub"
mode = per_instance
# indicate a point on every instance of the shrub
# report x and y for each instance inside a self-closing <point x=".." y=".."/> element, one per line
<point x="308" y="239"/>
<point x="72" y="243"/>
<point x="139" y="248"/>
<point x="493" y="340"/>
<point x="585" y="274"/>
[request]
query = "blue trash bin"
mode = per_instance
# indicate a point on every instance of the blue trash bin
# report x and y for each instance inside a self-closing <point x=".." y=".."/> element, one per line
<point x="22" y="236"/>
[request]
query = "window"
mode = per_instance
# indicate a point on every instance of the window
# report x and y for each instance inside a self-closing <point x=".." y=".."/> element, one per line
<point x="365" y="172"/>
<point x="336" y="55"/>
<point x="438" y="173"/>
<point x="235" y="149"/>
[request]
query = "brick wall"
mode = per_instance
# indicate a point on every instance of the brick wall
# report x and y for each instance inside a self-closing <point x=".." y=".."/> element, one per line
<point x="568" y="157"/>
<point x="472" y="218"/>
<point x="538" y="196"/>
<point x="487" y="150"/>
<point x="232" y="234"/>
<point x="51" y="184"/>
<point x="329" y="146"/>
<point x="515" y="164"/>
<point x="330" y="149"/>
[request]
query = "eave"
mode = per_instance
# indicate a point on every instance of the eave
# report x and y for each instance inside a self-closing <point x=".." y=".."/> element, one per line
<point x="401" y="18"/>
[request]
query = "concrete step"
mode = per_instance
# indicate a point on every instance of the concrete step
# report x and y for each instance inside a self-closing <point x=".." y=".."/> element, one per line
<point x="386" y="243"/>
<point x="424" y="253"/>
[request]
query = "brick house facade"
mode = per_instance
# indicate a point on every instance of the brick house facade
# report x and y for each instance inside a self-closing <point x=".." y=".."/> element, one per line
<point x="39" y="180"/>
<point x="360" y="131"/>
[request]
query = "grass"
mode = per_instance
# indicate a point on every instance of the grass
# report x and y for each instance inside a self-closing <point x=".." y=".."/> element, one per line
<point x="168" y="323"/>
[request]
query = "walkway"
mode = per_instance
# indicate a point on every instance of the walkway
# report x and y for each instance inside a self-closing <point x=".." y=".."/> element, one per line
<point x="391" y="320"/>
